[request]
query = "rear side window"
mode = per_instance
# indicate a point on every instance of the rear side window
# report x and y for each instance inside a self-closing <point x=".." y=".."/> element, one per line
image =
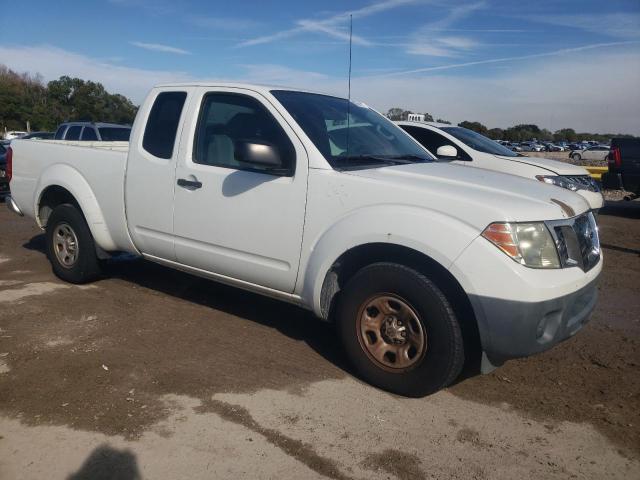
<point x="89" y="133"/>
<point x="113" y="134"/>
<point x="73" y="133"/>
<point x="60" y="132"/>
<point x="162" y="124"/>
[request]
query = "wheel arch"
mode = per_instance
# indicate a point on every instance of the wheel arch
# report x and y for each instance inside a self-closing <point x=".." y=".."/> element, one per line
<point x="348" y="263"/>
<point x="63" y="184"/>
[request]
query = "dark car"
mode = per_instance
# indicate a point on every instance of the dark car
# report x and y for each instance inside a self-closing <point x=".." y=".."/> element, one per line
<point x="4" y="179"/>
<point x="624" y="165"/>
<point x="38" y="136"/>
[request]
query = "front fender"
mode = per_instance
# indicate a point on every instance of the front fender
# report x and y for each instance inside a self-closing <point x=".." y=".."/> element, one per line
<point x="69" y="178"/>
<point x="438" y="236"/>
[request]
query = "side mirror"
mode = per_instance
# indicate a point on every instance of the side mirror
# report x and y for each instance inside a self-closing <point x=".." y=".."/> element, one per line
<point x="447" y="151"/>
<point x="260" y="155"/>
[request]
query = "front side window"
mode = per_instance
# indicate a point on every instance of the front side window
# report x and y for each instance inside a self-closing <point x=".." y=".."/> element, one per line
<point x="89" y="133"/>
<point x="480" y="142"/>
<point x="162" y="124"/>
<point x="349" y="135"/>
<point x="114" y="134"/>
<point x="229" y="120"/>
<point x="73" y="133"/>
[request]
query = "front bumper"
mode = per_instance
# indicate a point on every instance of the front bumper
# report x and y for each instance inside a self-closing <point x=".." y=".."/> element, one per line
<point x="519" y="329"/>
<point x="522" y="311"/>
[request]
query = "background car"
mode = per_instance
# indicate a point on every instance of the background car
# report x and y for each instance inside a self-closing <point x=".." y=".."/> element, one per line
<point x="598" y="152"/>
<point x="11" y="134"/>
<point x="38" y="136"/>
<point x="96" y="132"/>
<point x="465" y="147"/>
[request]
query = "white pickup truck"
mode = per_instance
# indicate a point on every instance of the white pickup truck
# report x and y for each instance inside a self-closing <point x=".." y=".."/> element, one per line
<point x="326" y="204"/>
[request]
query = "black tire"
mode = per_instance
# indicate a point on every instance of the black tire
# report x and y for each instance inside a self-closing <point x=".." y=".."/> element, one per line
<point x="86" y="267"/>
<point x="576" y="157"/>
<point x="443" y="359"/>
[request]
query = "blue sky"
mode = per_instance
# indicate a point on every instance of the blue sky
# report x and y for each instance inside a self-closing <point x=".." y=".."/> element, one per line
<point x="569" y="63"/>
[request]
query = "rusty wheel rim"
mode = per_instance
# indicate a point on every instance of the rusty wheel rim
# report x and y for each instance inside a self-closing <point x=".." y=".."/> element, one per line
<point x="391" y="333"/>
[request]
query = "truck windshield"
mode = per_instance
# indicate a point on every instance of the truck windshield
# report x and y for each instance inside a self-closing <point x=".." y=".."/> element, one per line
<point x="114" y="134"/>
<point x="479" y="142"/>
<point x="366" y="140"/>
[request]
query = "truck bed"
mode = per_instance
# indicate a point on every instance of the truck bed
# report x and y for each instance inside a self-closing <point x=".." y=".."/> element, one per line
<point x="100" y="166"/>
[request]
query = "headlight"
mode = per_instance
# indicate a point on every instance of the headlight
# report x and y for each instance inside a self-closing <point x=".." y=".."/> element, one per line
<point x="574" y="183"/>
<point x="529" y="244"/>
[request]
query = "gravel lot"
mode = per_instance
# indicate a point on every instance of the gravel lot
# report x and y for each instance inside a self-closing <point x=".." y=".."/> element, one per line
<point x="151" y="373"/>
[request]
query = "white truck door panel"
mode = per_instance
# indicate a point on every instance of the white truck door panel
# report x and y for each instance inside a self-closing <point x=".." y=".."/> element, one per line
<point x="150" y="178"/>
<point x="230" y="219"/>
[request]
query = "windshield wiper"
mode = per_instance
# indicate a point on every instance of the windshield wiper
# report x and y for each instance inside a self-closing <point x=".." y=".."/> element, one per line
<point x="409" y="156"/>
<point x="390" y="159"/>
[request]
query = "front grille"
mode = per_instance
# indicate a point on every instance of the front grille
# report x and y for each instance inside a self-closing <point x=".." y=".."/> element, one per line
<point x="577" y="241"/>
<point x="585" y="181"/>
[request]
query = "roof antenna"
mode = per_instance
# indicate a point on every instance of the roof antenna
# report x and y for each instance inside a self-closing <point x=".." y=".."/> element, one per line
<point x="349" y="87"/>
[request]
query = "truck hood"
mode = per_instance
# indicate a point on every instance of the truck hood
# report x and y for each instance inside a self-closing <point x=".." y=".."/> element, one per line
<point x="476" y="196"/>
<point x="554" y="166"/>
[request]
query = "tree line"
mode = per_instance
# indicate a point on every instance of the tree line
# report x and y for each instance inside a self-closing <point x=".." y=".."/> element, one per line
<point x="517" y="133"/>
<point x="26" y="98"/>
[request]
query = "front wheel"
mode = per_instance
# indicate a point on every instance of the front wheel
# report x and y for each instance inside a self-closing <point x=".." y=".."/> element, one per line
<point x="70" y="246"/>
<point x="399" y="330"/>
<point x="576" y="157"/>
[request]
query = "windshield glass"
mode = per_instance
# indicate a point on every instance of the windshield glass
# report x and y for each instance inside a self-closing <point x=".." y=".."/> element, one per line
<point x="114" y="134"/>
<point x="479" y="142"/>
<point x="366" y="140"/>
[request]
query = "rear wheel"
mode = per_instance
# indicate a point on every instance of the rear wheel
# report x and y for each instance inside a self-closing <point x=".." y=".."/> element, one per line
<point x="70" y="246"/>
<point x="399" y="330"/>
<point x="576" y="157"/>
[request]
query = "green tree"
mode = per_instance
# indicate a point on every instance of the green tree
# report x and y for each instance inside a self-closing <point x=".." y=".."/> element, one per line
<point x="495" y="133"/>
<point x="25" y="98"/>
<point x="395" y="114"/>
<point x="475" y="126"/>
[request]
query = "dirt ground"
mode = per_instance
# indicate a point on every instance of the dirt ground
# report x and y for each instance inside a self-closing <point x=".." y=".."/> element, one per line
<point x="152" y="373"/>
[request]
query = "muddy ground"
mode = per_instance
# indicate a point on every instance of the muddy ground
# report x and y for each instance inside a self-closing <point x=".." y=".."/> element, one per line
<point x="152" y="373"/>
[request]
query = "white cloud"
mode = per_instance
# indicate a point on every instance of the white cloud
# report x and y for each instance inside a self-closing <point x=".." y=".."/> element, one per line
<point x="620" y="25"/>
<point x="591" y="90"/>
<point x="553" y="92"/>
<point x="281" y="75"/>
<point x="335" y="25"/>
<point x="428" y="39"/>
<point x="52" y="62"/>
<point x="157" y="47"/>
<point x="554" y="53"/>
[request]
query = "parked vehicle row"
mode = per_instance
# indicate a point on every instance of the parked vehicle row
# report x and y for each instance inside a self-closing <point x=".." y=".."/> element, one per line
<point x="419" y="262"/>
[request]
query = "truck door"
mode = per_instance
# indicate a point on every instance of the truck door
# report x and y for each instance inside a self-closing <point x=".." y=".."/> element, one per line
<point x="237" y="219"/>
<point x="150" y="178"/>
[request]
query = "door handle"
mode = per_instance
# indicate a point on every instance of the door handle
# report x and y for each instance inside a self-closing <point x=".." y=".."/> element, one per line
<point x="191" y="184"/>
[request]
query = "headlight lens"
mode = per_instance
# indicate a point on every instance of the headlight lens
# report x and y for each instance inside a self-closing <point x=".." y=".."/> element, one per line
<point x="560" y="181"/>
<point x="581" y="182"/>
<point x="529" y="244"/>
